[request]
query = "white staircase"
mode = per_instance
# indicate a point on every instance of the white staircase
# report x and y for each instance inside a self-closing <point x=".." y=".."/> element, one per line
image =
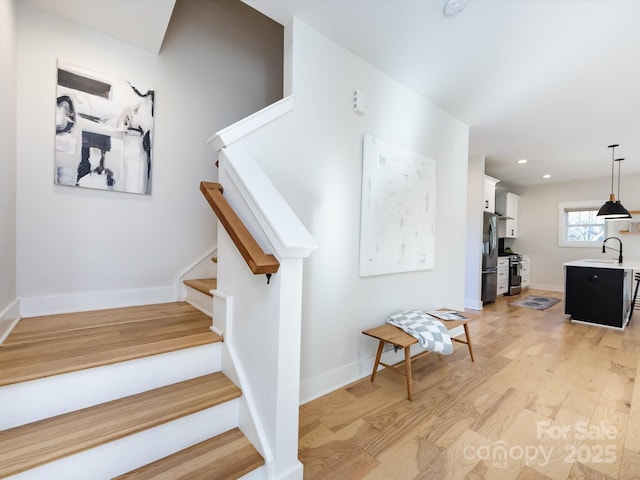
<point x="198" y="280"/>
<point x="112" y="419"/>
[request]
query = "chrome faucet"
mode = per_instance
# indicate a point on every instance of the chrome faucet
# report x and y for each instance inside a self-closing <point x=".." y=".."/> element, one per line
<point x="619" y="251"/>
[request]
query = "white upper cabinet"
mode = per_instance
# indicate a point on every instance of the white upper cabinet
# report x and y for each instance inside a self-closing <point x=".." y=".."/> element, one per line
<point x="507" y="206"/>
<point x="489" y="194"/>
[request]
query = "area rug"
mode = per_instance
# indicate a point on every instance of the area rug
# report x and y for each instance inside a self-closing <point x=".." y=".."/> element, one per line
<point x="539" y="303"/>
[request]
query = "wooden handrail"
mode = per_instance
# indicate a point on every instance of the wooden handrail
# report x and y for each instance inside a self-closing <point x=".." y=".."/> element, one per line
<point x="258" y="261"/>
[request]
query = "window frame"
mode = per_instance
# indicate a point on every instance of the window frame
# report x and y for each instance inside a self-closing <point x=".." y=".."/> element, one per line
<point x="563" y="209"/>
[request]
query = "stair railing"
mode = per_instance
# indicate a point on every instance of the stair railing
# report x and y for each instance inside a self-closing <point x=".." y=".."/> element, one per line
<point x="258" y="261"/>
<point x="262" y="324"/>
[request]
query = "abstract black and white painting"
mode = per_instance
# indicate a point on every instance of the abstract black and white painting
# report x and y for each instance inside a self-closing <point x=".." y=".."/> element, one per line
<point x="104" y="130"/>
<point x="398" y="217"/>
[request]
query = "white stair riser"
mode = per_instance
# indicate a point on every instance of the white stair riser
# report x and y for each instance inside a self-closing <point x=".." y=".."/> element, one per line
<point x="204" y="268"/>
<point x="42" y="398"/>
<point x="201" y="301"/>
<point x="126" y="454"/>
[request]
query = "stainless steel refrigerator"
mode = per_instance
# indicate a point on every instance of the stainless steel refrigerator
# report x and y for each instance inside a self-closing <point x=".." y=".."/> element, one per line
<point x="489" y="257"/>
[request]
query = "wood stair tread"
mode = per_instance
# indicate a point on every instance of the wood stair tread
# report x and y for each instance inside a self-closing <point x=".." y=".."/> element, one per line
<point x="203" y="285"/>
<point x="28" y="446"/>
<point x="227" y="456"/>
<point x="36" y="328"/>
<point x="45" y="346"/>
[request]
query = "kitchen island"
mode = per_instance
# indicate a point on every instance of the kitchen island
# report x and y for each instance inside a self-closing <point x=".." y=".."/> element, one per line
<point x="599" y="291"/>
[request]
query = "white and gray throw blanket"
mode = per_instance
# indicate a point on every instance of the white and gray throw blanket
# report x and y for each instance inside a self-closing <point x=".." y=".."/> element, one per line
<point x="430" y="332"/>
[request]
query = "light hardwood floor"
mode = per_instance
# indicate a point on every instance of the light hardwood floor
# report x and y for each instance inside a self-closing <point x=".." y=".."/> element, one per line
<point x="545" y="398"/>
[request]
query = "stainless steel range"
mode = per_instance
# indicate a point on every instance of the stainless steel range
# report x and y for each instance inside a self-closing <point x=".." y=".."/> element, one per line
<point x="515" y="277"/>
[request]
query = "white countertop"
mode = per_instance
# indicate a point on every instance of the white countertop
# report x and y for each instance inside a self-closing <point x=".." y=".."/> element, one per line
<point x="604" y="263"/>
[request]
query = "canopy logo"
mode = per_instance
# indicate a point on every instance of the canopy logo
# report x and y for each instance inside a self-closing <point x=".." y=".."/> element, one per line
<point x="498" y="453"/>
<point x="599" y="448"/>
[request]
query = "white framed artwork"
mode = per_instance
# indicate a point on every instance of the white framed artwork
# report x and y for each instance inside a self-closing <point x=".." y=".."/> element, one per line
<point x="104" y="129"/>
<point x="398" y="216"/>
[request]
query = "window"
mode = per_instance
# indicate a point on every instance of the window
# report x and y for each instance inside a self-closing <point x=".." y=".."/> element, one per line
<point x="580" y="226"/>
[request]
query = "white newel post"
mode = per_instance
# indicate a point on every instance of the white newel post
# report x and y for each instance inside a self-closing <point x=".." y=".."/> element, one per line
<point x="288" y="389"/>
<point x="262" y="322"/>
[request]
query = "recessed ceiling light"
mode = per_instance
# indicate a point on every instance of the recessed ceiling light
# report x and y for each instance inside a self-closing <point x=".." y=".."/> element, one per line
<point x="522" y="161"/>
<point x="546" y="175"/>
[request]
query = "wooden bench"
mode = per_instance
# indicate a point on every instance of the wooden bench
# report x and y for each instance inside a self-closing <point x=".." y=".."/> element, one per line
<point x="398" y="338"/>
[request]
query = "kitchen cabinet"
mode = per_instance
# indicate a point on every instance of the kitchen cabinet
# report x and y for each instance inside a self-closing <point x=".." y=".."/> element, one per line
<point x="503" y="275"/>
<point x="598" y="295"/>
<point x="525" y="271"/>
<point x="489" y="194"/>
<point x="507" y="207"/>
<point x="633" y="226"/>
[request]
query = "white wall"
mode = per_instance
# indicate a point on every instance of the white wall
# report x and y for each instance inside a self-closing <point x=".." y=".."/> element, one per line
<point x="8" y="304"/>
<point x="314" y="157"/>
<point x="83" y="249"/>
<point x="475" y="218"/>
<point x="538" y="226"/>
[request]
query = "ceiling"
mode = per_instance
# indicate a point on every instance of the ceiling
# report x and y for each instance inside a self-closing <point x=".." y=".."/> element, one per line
<point x="552" y="81"/>
<point x="141" y="23"/>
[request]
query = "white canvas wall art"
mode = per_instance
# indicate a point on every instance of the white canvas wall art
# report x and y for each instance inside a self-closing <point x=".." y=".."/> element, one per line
<point x="104" y="129"/>
<point x="397" y="231"/>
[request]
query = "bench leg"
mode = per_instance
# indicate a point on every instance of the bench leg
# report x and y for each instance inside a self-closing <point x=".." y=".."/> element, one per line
<point x="466" y="333"/>
<point x="377" y="362"/>
<point x="407" y="362"/>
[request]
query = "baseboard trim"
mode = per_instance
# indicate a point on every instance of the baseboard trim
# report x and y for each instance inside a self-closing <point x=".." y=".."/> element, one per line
<point x="9" y="318"/>
<point x="293" y="473"/>
<point x="547" y="286"/>
<point x="11" y="311"/>
<point x="473" y="304"/>
<point x="327" y="382"/>
<point x="80" y="302"/>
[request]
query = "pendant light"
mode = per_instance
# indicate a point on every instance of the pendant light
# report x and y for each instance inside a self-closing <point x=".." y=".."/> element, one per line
<point x="613" y="209"/>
